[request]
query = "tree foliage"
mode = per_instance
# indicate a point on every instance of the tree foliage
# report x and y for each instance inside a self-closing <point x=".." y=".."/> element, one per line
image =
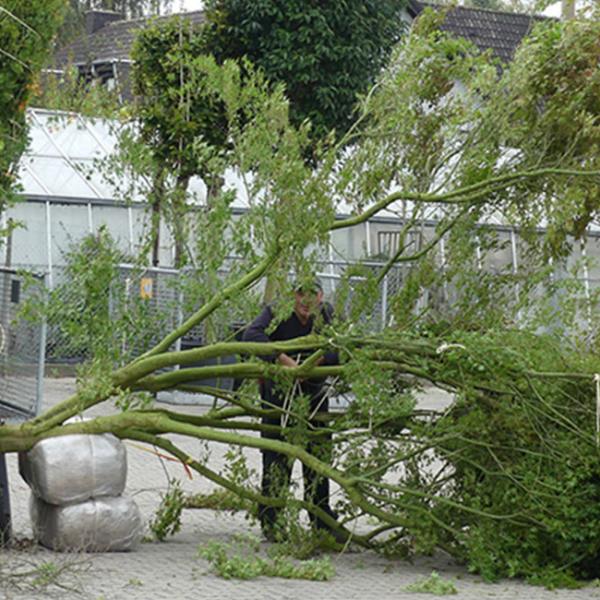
<point x="181" y="120"/>
<point x="26" y="33"/>
<point x="506" y="477"/>
<point x="183" y="124"/>
<point x="325" y="53"/>
<point x="67" y="91"/>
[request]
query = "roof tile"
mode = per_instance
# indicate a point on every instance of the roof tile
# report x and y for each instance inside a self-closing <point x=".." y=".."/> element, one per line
<point x="113" y="42"/>
<point x="502" y="32"/>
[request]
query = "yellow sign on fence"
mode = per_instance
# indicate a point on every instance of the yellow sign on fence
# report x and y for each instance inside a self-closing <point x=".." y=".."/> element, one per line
<point x="146" y="287"/>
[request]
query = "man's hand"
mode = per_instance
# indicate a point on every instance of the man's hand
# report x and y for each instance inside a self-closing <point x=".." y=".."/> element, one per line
<point x="287" y="361"/>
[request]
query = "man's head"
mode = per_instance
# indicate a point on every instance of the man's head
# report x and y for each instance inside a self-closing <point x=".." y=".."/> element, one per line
<point x="307" y="299"/>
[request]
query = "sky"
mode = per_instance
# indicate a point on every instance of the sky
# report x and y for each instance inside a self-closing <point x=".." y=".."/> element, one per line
<point x="186" y="5"/>
<point x="553" y="10"/>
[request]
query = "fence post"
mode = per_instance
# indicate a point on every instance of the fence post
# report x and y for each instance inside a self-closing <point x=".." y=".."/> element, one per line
<point x="4" y="321"/>
<point x="586" y="282"/>
<point x="179" y="276"/>
<point x="515" y="270"/>
<point x="5" y="517"/>
<point x="44" y="282"/>
<point x="384" y="296"/>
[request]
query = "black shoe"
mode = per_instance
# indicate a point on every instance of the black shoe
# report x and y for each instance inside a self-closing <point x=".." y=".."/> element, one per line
<point x="270" y="534"/>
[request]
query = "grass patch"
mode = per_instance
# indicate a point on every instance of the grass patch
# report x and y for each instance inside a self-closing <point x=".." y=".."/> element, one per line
<point x="243" y="560"/>
<point x="433" y="584"/>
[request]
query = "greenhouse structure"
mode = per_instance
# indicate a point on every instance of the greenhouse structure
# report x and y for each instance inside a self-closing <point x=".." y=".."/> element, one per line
<point x="66" y="196"/>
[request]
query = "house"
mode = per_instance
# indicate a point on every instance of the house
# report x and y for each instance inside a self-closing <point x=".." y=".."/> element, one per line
<point x="104" y="51"/>
<point x="498" y="31"/>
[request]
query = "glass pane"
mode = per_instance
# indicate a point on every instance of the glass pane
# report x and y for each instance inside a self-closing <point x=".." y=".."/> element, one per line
<point x="165" y="254"/>
<point x="593" y="253"/>
<point x="69" y="224"/>
<point x="29" y="247"/>
<point x="574" y="259"/>
<point x="116" y="220"/>
<point x="496" y="251"/>
<point x="349" y="243"/>
<point x="141" y="226"/>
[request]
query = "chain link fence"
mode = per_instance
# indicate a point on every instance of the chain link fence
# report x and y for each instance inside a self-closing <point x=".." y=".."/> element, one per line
<point x="379" y="315"/>
<point x="119" y="313"/>
<point x="22" y="345"/>
<point x="160" y="300"/>
<point x="125" y="310"/>
<point x="137" y="307"/>
<point x="133" y="308"/>
<point x="130" y="309"/>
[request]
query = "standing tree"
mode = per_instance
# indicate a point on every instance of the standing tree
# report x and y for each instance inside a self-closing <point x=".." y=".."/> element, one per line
<point x="325" y="56"/>
<point x="326" y="53"/>
<point x="181" y="123"/>
<point x="26" y="34"/>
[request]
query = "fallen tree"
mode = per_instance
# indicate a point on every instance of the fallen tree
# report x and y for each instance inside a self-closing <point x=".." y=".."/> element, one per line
<point x="506" y="478"/>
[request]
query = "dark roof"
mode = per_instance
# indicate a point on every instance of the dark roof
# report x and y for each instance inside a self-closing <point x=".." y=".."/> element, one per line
<point x="502" y="32"/>
<point x="113" y="41"/>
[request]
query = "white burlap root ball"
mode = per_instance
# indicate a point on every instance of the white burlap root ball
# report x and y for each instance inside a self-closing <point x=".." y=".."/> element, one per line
<point x="77" y="504"/>
<point x="74" y="468"/>
<point x="109" y="524"/>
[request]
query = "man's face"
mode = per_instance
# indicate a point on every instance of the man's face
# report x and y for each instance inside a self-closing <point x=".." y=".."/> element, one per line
<point x="307" y="303"/>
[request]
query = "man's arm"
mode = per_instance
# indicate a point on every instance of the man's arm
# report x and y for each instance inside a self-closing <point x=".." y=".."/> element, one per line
<point x="256" y="332"/>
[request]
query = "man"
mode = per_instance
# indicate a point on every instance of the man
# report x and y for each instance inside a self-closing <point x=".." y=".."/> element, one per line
<point x="309" y="313"/>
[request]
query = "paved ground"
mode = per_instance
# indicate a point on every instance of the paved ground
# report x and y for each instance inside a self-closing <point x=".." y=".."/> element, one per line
<point x="173" y="570"/>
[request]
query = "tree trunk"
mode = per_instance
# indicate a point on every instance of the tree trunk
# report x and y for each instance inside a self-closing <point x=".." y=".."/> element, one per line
<point x="568" y="9"/>
<point x="156" y="202"/>
<point x="179" y="220"/>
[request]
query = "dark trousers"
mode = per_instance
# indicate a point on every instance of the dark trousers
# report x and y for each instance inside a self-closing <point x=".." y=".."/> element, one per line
<point x="277" y="468"/>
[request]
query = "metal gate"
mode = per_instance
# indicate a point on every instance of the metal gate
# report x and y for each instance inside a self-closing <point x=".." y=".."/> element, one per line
<point x="22" y="346"/>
